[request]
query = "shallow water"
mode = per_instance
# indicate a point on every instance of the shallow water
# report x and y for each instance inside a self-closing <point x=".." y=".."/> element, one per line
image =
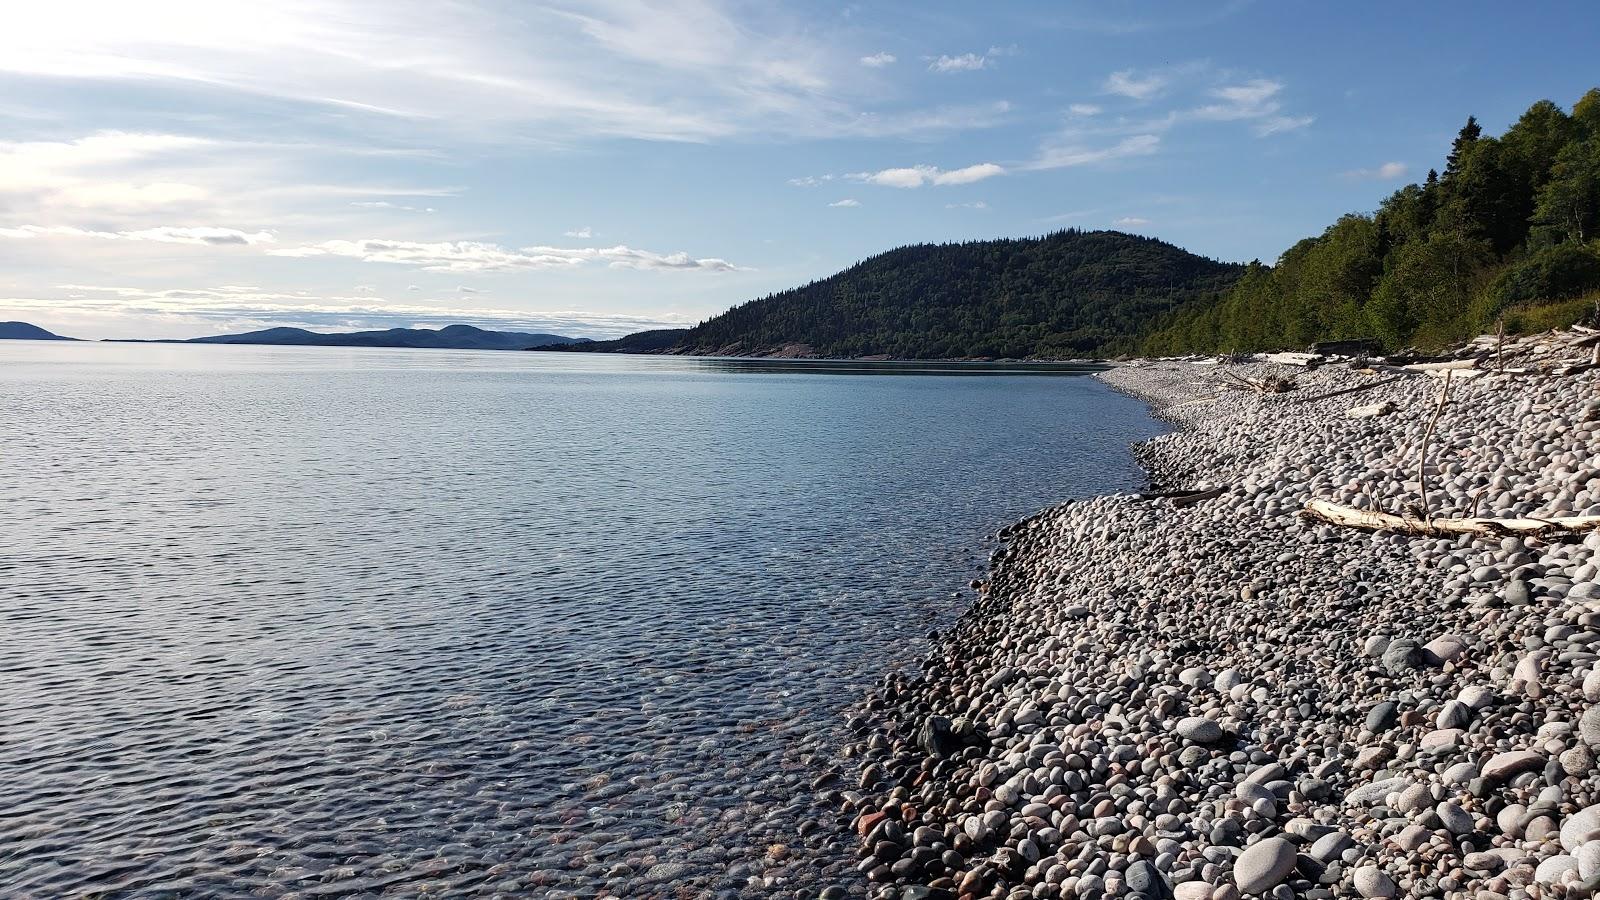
<point x="330" y="622"/>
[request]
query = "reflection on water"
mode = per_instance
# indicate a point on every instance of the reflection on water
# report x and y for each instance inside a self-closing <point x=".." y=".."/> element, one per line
<point x="891" y="367"/>
<point x="327" y="621"/>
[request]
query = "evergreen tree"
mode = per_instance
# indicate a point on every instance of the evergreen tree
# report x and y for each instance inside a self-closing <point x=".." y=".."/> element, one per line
<point x="1468" y="136"/>
<point x="1510" y="226"/>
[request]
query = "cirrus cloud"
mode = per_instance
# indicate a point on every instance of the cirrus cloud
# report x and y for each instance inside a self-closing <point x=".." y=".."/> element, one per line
<point x="204" y="235"/>
<point x="476" y="256"/>
<point x="1127" y="83"/>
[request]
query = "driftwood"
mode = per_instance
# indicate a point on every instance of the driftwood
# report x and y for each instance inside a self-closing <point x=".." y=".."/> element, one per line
<point x="1294" y="359"/>
<point x="1352" y="390"/>
<point x="1197" y="496"/>
<point x="1369" y="520"/>
<point x="1184" y="497"/>
<point x="1368" y="412"/>
<point x="1441" y="366"/>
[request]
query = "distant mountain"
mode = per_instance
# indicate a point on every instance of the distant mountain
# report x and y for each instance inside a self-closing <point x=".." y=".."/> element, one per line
<point x="22" y="331"/>
<point x="1069" y="294"/>
<point x="660" y="340"/>
<point x="450" y="337"/>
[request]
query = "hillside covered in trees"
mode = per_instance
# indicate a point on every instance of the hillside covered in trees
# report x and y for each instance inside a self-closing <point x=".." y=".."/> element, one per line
<point x="1068" y="294"/>
<point x="1508" y="232"/>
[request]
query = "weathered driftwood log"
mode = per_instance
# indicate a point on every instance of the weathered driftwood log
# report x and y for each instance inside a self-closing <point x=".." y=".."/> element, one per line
<point x="1375" y="409"/>
<point x="1197" y="496"/>
<point x="1184" y="497"/>
<point x="1442" y="366"/>
<point x="1294" y="359"/>
<point x="1370" y="520"/>
<point x="1351" y="390"/>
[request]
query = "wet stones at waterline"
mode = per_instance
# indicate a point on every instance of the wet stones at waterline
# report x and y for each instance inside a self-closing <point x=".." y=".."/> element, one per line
<point x="1223" y="699"/>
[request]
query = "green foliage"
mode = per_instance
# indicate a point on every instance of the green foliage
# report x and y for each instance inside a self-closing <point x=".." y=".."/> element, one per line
<point x="1569" y="201"/>
<point x="1068" y="294"/>
<point x="1510" y="226"/>
<point x="1545" y="316"/>
<point x="1551" y="273"/>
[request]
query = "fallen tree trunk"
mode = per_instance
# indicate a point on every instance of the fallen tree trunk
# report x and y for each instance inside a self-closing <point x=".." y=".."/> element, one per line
<point x="1197" y="496"/>
<point x="1442" y="366"/>
<point x="1352" y="390"/>
<point x="1370" y="520"/>
<point x="1184" y="497"/>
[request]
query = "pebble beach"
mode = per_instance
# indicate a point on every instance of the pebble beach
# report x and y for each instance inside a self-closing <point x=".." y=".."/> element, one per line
<point x="1222" y="698"/>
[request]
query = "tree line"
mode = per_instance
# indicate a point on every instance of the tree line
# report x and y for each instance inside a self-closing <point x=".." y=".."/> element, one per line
<point x="1508" y="234"/>
<point x="1071" y="293"/>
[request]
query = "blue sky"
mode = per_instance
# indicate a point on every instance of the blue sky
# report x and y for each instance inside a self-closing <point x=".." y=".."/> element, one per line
<point x="176" y="167"/>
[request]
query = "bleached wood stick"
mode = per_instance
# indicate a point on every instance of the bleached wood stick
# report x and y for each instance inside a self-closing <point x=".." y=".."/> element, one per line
<point x="1370" y="520"/>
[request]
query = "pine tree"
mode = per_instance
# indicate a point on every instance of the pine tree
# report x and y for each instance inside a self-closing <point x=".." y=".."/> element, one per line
<point x="1468" y="136"/>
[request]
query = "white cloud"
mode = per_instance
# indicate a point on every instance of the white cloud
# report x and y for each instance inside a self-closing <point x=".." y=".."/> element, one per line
<point x="1130" y="222"/>
<point x="1256" y="100"/>
<point x="976" y="204"/>
<point x="1252" y="100"/>
<point x="413" y="288"/>
<point x="878" y="60"/>
<point x="1084" y="109"/>
<point x="846" y="202"/>
<point x="463" y="289"/>
<point x="166" y="234"/>
<point x="124" y="181"/>
<point x="1385" y="172"/>
<point x="192" y="311"/>
<point x="677" y="70"/>
<point x="473" y="256"/>
<point x="969" y="174"/>
<point x="1066" y="154"/>
<point x="966" y="62"/>
<point x="385" y="204"/>
<point x="585" y="232"/>
<point x="1129" y="84"/>
<point x="98" y="172"/>
<point x="811" y="180"/>
<point x="1280" y="124"/>
<point x="917" y="176"/>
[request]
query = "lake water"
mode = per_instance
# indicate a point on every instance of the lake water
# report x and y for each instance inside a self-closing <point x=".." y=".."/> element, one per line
<point x="345" y="622"/>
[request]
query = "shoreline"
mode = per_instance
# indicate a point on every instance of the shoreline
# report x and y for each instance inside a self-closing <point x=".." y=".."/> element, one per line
<point x="1215" y="699"/>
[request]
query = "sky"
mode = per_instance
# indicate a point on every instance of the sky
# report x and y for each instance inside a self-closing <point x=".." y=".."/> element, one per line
<point x="174" y="168"/>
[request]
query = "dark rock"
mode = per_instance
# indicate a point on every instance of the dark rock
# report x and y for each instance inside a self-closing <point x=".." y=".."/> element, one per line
<point x="1382" y="717"/>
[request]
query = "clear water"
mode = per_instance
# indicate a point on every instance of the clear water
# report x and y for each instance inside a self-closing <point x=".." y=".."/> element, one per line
<point x="352" y="622"/>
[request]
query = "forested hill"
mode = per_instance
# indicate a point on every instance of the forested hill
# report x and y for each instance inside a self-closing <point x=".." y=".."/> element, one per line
<point x="1508" y="232"/>
<point x="1068" y="294"/>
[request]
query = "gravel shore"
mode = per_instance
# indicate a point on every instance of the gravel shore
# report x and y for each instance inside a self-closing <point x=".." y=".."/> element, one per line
<point x="1225" y="699"/>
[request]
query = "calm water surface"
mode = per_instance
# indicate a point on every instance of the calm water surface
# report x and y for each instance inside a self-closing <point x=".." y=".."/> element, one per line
<point x="350" y="622"/>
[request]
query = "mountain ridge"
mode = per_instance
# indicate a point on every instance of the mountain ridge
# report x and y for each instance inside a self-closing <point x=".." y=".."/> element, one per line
<point x="450" y="337"/>
<point x="27" y="331"/>
<point x="1067" y="294"/>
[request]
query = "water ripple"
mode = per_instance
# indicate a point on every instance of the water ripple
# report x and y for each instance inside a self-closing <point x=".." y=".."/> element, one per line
<point x="317" y="623"/>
